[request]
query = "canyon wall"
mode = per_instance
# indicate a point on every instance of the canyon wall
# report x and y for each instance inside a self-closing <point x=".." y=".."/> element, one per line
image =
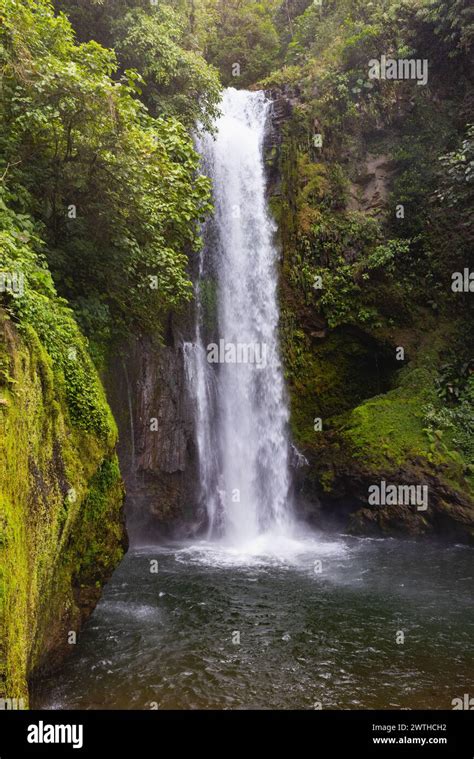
<point x="150" y="399"/>
<point x="359" y="415"/>
<point x="62" y="531"/>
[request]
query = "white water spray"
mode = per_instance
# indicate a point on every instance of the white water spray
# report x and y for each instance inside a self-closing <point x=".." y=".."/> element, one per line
<point x="242" y="413"/>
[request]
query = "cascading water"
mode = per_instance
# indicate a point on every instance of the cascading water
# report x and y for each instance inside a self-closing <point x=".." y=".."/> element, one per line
<point x="314" y="616"/>
<point x="242" y="414"/>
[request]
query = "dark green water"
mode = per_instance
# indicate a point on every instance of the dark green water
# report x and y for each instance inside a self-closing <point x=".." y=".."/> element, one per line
<point x="165" y="640"/>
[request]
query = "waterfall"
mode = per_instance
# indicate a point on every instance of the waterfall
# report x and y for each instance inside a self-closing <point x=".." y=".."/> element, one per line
<point x="233" y="365"/>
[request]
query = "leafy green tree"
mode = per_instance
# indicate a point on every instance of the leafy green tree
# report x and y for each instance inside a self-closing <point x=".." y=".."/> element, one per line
<point x="456" y="190"/>
<point x="177" y="82"/>
<point x="244" y="44"/>
<point x="453" y="22"/>
<point x="163" y="41"/>
<point x="117" y="191"/>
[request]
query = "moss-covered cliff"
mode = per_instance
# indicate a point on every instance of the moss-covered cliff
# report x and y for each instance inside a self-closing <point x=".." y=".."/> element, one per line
<point x="371" y="186"/>
<point x="359" y="415"/>
<point x="60" y="507"/>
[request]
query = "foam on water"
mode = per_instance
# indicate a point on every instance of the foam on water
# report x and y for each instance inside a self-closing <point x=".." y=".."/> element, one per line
<point x="268" y="549"/>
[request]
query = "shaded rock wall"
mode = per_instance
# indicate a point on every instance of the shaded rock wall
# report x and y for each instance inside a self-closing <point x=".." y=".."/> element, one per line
<point x="154" y="412"/>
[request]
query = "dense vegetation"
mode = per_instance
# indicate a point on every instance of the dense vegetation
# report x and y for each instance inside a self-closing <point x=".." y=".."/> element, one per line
<point x="100" y="191"/>
<point x="100" y="205"/>
<point x="376" y="216"/>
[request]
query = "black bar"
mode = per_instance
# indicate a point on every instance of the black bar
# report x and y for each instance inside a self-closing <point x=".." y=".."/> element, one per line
<point x="317" y="734"/>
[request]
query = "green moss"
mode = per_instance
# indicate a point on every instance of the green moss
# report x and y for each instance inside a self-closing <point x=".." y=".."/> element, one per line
<point x="390" y="428"/>
<point x="327" y="377"/>
<point x="208" y="297"/>
<point x="59" y="488"/>
<point x="98" y="551"/>
<point x="338" y="341"/>
<point x="387" y="432"/>
<point x="383" y="434"/>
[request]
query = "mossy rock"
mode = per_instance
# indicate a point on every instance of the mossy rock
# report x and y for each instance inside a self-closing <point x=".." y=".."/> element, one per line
<point x="61" y="496"/>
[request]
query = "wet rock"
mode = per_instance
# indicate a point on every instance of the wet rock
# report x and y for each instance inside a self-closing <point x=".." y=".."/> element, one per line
<point x="154" y="411"/>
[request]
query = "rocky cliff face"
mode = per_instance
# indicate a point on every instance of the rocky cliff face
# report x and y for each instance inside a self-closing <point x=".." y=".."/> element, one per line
<point x="371" y="413"/>
<point x="61" y="522"/>
<point x="358" y="416"/>
<point x="151" y="402"/>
